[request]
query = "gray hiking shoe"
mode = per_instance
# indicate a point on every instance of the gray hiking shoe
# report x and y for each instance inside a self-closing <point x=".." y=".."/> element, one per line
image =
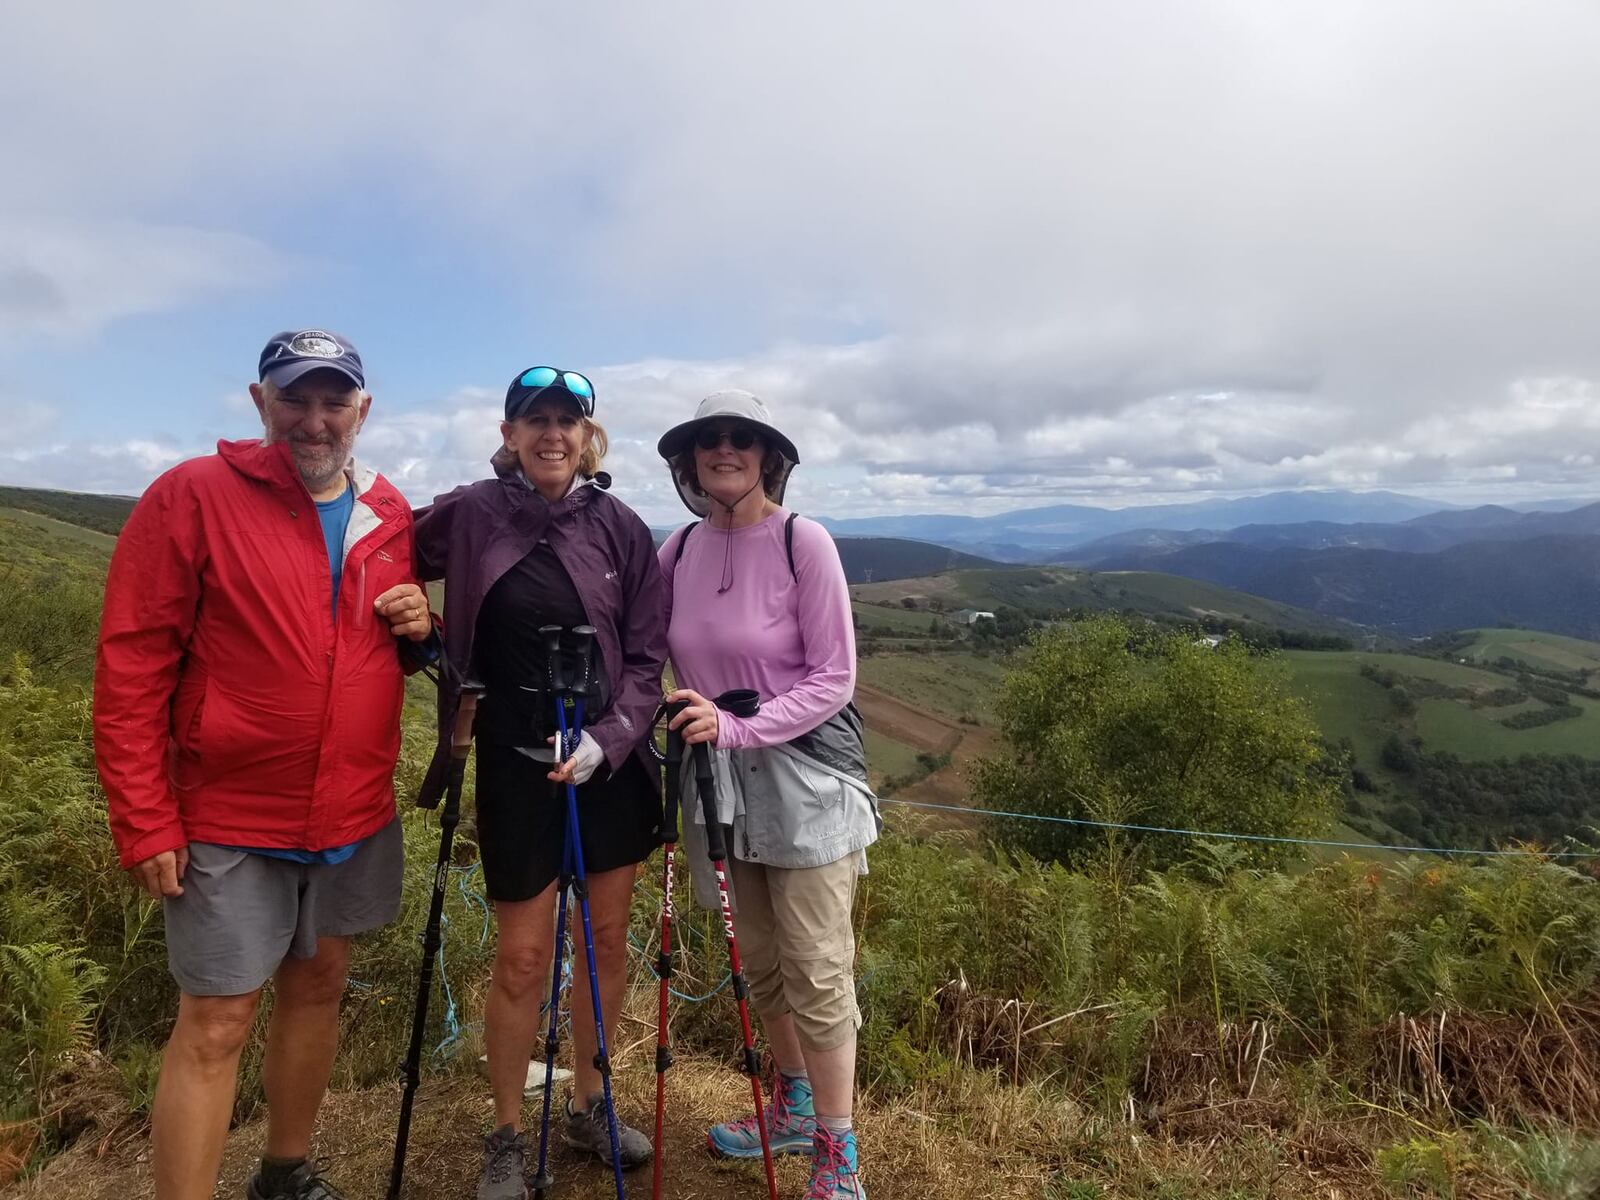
<point x="587" y="1131"/>
<point x="305" y="1183"/>
<point x="505" y="1159"/>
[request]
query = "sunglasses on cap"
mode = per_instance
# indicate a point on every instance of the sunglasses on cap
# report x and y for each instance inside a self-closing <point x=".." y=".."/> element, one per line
<point x="535" y="379"/>
<point x="740" y="437"/>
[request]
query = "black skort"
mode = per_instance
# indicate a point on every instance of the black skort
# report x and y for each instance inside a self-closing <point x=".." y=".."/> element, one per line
<point x="522" y="821"/>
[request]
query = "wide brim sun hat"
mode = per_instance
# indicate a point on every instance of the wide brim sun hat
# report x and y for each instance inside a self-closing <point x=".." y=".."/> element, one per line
<point x="735" y="405"/>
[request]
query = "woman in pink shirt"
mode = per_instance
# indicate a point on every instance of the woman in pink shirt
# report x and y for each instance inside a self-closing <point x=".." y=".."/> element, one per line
<point x="758" y="600"/>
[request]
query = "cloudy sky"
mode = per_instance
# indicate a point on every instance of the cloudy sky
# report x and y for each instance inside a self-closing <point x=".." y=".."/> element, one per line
<point x="975" y="256"/>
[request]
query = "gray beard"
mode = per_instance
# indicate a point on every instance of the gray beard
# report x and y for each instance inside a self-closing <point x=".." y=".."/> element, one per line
<point x="320" y="464"/>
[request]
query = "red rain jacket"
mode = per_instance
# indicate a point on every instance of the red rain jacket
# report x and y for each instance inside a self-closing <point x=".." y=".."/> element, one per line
<point x="229" y="704"/>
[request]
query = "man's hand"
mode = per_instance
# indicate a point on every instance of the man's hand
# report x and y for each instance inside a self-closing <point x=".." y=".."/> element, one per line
<point x="405" y="607"/>
<point x="160" y="874"/>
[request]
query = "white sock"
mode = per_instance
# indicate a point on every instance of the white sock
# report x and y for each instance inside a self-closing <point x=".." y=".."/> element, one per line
<point x="838" y="1126"/>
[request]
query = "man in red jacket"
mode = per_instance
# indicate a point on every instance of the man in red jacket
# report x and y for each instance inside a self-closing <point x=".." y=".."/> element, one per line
<point x="247" y="721"/>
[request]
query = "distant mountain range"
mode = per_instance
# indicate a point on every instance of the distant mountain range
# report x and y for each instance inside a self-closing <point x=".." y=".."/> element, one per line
<point x="1391" y="562"/>
<point x="1549" y="582"/>
<point x="1422" y="535"/>
<point x="1043" y="534"/>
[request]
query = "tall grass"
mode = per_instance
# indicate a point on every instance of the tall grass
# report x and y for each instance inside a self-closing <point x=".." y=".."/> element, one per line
<point x="967" y="957"/>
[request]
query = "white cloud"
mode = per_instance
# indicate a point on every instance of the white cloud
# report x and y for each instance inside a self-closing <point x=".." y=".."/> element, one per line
<point x="64" y="279"/>
<point x="975" y="255"/>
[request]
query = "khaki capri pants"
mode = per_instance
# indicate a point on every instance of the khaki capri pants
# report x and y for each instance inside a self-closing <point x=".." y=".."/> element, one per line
<point x="798" y="947"/>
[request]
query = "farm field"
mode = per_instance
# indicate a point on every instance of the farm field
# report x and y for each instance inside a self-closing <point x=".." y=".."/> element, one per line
<point x="1549" y="651"/>
<point x="896" y="618"/>
<point x="1348" y="705"/>
<point x="887" y="756"/>
<point x="1054" y="589"/>
<point x="1446" y="725"/>
<point x="952" y="684"/>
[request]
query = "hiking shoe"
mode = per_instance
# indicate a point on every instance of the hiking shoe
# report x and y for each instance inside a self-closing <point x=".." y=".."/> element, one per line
<point x="505" y="1160"/>
<point x="833" y="1167"/>
<point x="304" y="1183"/>
<point x="791" y="1124"/>
<point x="587" y="1131"/>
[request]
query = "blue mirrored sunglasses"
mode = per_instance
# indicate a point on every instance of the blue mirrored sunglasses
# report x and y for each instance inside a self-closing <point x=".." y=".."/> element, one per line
<point x="536" y="379"/>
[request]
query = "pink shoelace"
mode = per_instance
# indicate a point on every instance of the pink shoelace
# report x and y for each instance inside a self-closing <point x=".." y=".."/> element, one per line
<point x="830" y="1168"/>
<point x="777" y="1112"/>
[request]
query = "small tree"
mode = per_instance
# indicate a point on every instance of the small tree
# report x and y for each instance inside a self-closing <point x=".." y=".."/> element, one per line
<point x="1108" y="720"/>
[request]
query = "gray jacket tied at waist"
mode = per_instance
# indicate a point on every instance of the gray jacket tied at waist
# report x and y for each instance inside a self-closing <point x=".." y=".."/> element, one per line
<point x="805" y="803"/>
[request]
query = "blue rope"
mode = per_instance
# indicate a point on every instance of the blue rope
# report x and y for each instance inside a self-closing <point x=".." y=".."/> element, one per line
<point x="1238" y="837"/>
<point x="474" y="898"/>
<point x="638" y="948"/>
<point x="452" y="1023"/>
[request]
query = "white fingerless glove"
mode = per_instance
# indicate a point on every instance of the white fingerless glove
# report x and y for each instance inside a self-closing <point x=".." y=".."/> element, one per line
<point x="587" y="757"/>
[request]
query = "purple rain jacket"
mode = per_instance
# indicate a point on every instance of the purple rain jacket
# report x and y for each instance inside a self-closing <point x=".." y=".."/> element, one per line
<point x="473" y="535"/>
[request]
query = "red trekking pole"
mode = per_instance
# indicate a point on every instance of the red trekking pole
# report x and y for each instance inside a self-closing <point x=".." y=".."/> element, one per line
<point x="743" y="704"/>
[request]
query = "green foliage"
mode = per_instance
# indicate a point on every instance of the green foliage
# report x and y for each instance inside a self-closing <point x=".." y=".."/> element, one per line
<point x="75" y="930"/>
<point x="52" y="624"/>
<point x="1116" y="722"/>
<point x="1557" y="1164"/>
<point x="1533" y="718"/>
<point x="1326" y="955"/>
<point x="1420" y="1167"/>
<point x="47" y="997"/>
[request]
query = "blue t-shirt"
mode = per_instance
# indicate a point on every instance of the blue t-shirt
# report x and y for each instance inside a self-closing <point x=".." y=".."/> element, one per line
<point x="335" y="517"/>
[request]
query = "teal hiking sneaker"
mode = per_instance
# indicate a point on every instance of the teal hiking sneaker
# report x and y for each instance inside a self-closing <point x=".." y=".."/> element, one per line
<point x="791" y="1124"/>
<point x="833" y="1167"/>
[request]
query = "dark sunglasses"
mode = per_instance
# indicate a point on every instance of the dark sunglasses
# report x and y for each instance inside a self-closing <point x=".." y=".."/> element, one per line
<point x="740" y="437"/>
<point x="535" y="379"/>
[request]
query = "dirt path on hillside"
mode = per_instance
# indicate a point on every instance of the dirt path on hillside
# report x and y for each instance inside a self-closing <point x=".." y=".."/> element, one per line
<point x="917" y="727"/>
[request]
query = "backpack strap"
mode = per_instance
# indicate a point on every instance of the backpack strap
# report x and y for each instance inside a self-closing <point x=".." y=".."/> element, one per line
<point x="682" y="541"/>
<point x="788" y="544"/>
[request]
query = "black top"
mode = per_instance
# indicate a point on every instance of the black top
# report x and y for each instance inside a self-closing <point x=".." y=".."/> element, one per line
<point x="510" y="654"/>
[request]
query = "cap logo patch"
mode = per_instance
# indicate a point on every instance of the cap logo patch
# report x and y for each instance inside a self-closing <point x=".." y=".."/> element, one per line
<point x="315" y="344"/>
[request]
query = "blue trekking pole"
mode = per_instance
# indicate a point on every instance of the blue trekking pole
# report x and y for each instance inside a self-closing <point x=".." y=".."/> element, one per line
<point x="563" y="690"/>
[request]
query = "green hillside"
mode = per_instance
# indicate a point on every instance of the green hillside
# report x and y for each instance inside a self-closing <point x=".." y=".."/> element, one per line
<point x="1545" y="651"/>
<point x="104" y="514"/>
<point x="952" y="684"/>
<point x="1454" y="749"/>
<point x="54" y="575"/>
<point x="891" y="617"/>
<point x="1046" y="591"/>
<point x="34" y="547"/>
<point x="1349" y="705"/>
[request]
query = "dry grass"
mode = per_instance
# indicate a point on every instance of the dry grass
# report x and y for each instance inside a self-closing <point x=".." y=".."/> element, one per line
<point x="904" y="1157"/>
<point x="1501" y="1068"/>
<point x="965" y="1132"/>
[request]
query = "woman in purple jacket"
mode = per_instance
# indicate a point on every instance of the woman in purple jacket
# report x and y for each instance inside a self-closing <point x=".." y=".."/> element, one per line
<point x="543" y="543"/>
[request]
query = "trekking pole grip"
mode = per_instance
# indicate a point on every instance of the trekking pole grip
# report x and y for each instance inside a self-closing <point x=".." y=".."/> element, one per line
<point x="583" y="655"/>
<point x="706" y="784"/>
<point x="674" y="785"/>
<point x="550" y="635"/>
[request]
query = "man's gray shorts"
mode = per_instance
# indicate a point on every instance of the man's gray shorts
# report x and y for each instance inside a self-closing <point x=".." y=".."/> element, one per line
<point x="242" y="914"/>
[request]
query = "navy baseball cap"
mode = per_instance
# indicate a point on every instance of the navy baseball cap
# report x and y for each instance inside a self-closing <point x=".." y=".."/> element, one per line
<point x="296" y="352"/>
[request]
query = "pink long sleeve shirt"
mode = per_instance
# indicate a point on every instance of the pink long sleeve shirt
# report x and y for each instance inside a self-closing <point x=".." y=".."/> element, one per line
<point x="790" y="637"/>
